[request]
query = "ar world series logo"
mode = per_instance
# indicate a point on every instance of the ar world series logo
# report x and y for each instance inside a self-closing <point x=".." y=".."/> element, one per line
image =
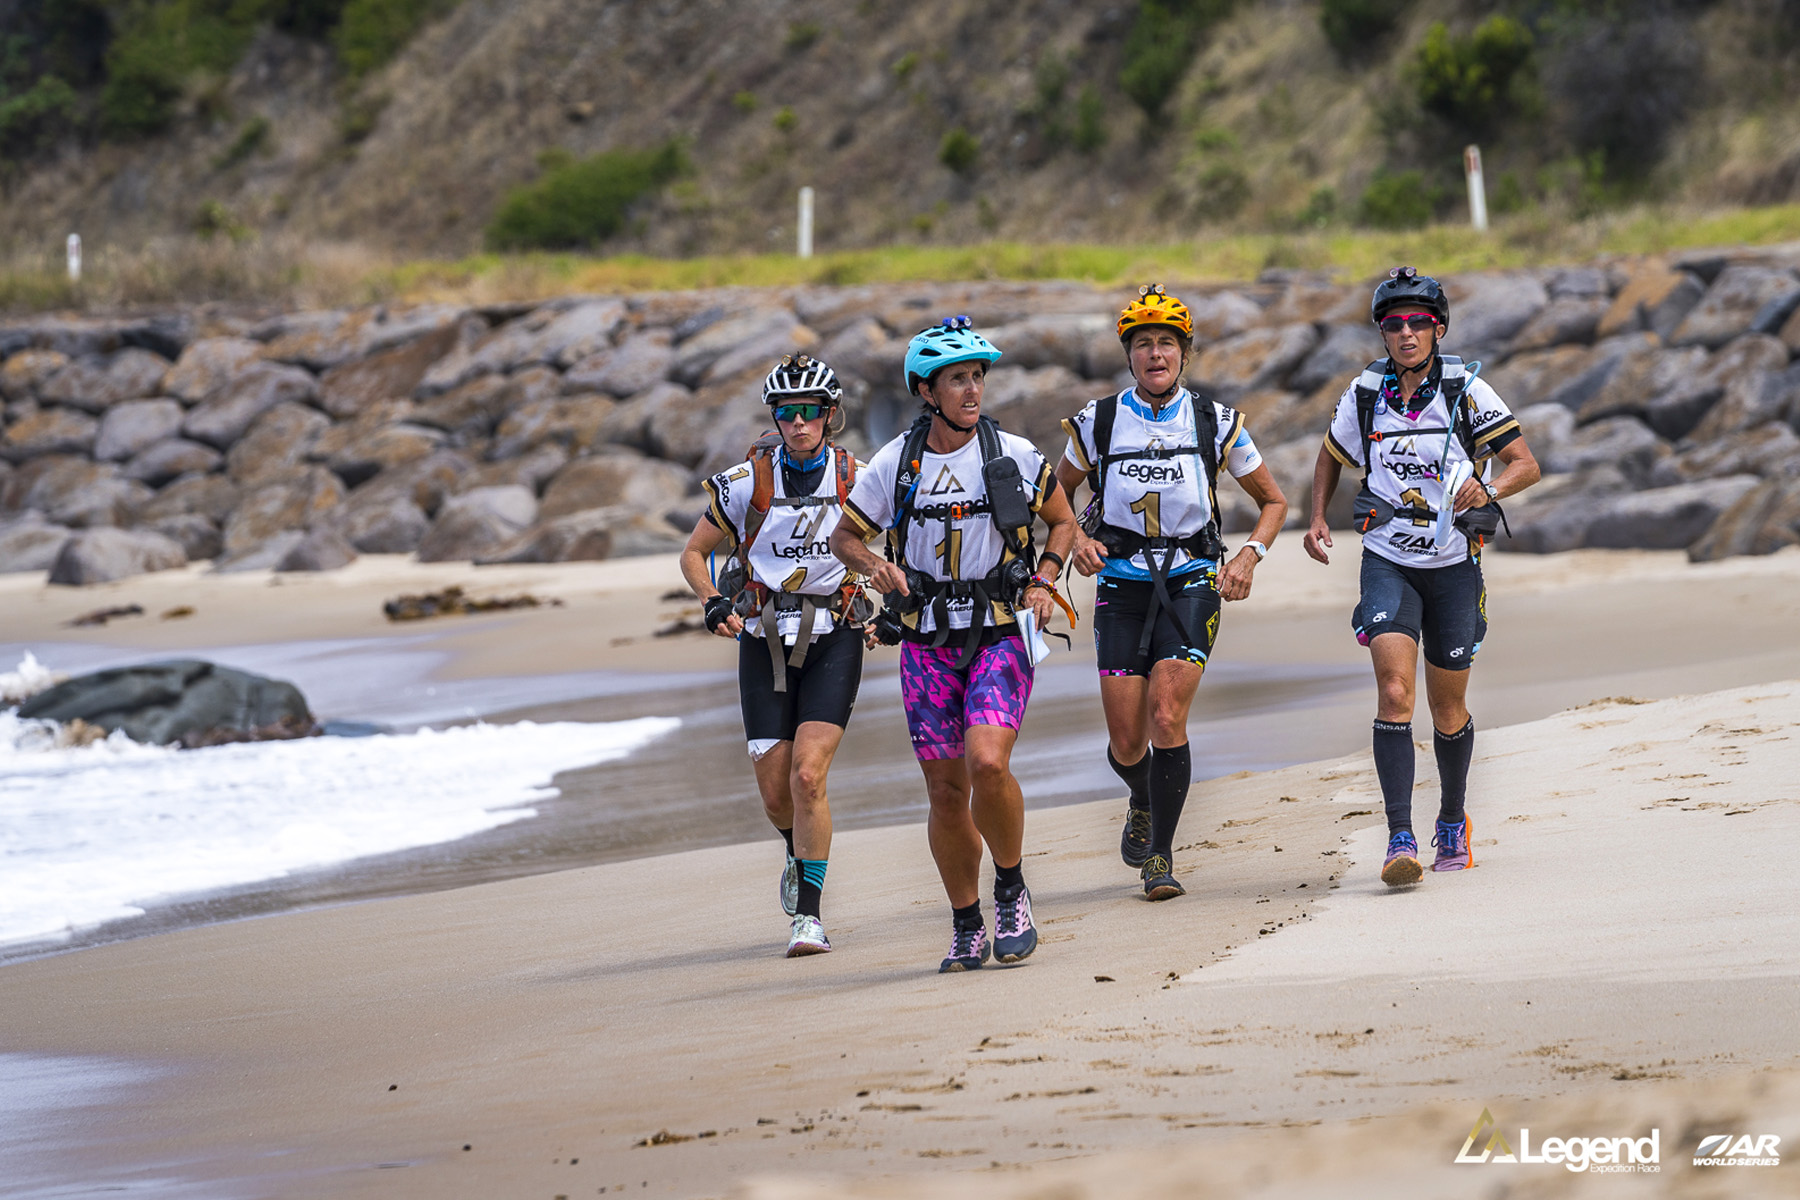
<point x="1601" y="1155"/>
<point x="1738" y="1150"/>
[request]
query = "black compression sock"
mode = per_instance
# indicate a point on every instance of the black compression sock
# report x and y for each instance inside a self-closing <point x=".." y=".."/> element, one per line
<point x="1008" y="880"/>
<point x="1453" y="755"/>
<point x="812" y="884"/>
<point x="967" y="918"/>
<point x="787" y="835"/>
<point x="1394" y="767"/>
<point x="1170" y="771"/>
<point x="1136" y="777"/>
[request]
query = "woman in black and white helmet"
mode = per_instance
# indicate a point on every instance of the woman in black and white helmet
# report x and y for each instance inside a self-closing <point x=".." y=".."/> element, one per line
<point x="796" y="614"/>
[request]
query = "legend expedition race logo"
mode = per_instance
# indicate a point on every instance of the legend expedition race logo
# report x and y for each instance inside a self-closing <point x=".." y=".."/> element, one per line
<point x="1599" y="1154"/>
<point x="1734" y="1150"/>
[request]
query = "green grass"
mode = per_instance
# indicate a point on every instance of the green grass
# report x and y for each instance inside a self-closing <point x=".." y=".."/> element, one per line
<point x="1345" y="254"/>
<point x="298" y="274"/>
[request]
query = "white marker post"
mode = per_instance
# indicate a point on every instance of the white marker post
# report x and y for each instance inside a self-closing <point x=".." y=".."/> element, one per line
<point x="804" y="237"/>
<point x="1477" y="189"/>
<point x="74" y="258"/>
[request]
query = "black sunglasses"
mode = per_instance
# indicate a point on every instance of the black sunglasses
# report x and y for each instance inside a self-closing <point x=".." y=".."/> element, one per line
<point x="799" y="412"/>
<point x="1417" y="322"/>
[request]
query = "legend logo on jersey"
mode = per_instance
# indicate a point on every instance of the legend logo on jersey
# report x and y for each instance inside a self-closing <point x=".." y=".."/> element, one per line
<point x="945" y="483"/>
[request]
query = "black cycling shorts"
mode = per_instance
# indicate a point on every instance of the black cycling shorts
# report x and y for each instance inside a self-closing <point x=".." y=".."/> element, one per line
<point x="1120" y="606"/>
<point x="1444" y="608"/>
<point x="823" y="688"/>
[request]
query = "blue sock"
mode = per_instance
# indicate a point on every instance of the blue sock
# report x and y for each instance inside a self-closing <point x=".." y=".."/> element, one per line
<point x="812" y="884"/>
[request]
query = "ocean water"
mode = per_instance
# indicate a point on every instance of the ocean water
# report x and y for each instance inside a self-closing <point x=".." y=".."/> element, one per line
<point x="94" y="833"/>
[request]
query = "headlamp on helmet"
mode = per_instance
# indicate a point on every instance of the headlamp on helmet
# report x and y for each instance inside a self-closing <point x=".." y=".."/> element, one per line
<point x="799" y="376"/>
<point x="1407" y="290"/>
<point x="1155" y="307"/>
<point x="945" y="344"/>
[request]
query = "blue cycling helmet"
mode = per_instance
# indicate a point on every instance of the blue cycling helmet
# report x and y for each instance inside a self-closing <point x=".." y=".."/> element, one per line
<point x="943" y="345"/>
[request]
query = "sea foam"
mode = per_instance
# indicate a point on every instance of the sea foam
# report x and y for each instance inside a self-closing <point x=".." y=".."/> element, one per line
<point x="93" y="833"/>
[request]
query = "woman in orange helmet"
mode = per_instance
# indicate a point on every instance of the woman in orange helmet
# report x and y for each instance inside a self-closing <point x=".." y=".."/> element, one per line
<point x="1151" y="457"/>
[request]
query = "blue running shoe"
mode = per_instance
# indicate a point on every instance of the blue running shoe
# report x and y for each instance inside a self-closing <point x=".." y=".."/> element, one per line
<point x="968" y="950"/>
<point x="1453" y="846"/>
<point x="1014" y="935"/>
<point x="1402" y="865"/>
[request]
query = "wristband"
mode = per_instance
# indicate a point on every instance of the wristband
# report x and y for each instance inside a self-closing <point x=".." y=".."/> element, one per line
<point x="1051" y="554"/>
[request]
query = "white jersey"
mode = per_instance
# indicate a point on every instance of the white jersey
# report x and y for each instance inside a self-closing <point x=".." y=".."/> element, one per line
<point x="1414" y="455"/>
<point x="791" y="552"/>
<point x="955" y="545"/>
<point x="1158" y="497"/>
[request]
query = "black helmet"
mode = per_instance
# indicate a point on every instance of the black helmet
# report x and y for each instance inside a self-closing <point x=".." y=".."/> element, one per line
<point x="1404" y="285"/>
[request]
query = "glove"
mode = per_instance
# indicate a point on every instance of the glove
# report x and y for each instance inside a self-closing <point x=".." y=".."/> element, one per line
<point x="717" y="609"/>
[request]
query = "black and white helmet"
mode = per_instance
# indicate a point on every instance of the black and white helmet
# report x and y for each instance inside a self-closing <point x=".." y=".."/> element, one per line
<point x="798" y="376"/>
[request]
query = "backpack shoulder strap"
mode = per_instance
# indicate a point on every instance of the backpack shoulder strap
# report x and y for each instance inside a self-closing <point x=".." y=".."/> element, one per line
<point x="1455" y="390"/>
<point x="1206" y="436"/>
<point x="1368" y="388"/>
<point x="906" y="485"/>
<point x="987" y="433"/>
<point x="846" y="473"/>
<point x="1106" y="414"/>
<point x="912" y="454"/>
<point x="762" y="492"/>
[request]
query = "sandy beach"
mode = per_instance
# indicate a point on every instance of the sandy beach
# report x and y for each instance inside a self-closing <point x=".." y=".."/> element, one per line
<point x="580" y="1013"/>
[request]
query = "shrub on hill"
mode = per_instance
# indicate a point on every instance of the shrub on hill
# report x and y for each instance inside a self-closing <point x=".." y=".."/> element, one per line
<point x="581" y="202"/>
<point x="30" y="118"/>
<point x="1160" y="47"/>
<point x="1398" y="200"/>
<point x="1356" y="29"/>
<point x="1623" y="86"/>
<point x="1470" y="82"/>
<point x="370" y="32"/>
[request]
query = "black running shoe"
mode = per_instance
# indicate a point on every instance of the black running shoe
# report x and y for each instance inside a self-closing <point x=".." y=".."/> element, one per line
<point x="1159" y="879"/>
<point x="1015" y="937"/>
<point x="1134" y="843"/>
<point x="968" y="950"/>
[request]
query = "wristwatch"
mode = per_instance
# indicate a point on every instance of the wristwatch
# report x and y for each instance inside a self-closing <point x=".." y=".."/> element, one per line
<point x="1262" y="551"/>
<point x="1492" y="491"/>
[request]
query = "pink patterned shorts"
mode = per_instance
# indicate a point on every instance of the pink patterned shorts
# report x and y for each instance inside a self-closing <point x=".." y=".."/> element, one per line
<point x="941" y="702"/>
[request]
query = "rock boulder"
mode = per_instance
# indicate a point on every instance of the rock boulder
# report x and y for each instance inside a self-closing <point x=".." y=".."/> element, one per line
<point x="478" y="522"/>
<point x="163" y="703"/>
<point x="103" y="555"/>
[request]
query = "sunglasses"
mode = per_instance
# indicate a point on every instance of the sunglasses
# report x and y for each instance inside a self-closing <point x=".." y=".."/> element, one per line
<point x="1417" y="322"/>
<point x="799" y="412"/>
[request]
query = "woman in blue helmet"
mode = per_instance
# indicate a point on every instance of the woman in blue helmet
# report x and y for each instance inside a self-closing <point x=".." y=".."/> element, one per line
<point x="957" y="498"/>
<point x="1425" y="431"/>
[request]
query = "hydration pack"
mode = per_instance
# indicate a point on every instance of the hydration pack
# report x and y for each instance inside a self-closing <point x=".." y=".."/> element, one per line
<point x="750" y="598"/>
<point x="1005" y="503"/>
<point x="1369" y="511"/>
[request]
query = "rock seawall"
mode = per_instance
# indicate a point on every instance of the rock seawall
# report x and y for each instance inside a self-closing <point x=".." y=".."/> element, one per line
<point x="1661" y="396"/>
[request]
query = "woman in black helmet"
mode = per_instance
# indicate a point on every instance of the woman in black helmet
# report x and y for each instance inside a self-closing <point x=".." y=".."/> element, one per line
<point x="1425" y="431"/>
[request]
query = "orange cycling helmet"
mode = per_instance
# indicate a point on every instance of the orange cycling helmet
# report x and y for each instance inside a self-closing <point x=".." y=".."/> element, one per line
<point x="1154" y="306"/>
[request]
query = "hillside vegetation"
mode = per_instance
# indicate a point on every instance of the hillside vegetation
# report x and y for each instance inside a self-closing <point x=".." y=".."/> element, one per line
<point x="438" y="128"/>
